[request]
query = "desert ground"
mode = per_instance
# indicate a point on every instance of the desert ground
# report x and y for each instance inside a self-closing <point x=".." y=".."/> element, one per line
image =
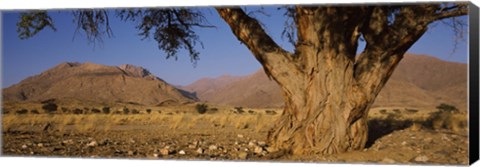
<point x="397" y="135"/>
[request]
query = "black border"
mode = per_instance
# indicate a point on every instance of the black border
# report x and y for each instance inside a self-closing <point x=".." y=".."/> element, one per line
<point x="473" y="84"/>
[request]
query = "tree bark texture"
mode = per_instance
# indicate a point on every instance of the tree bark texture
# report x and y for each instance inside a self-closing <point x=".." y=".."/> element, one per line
<point x="328" y="88"/>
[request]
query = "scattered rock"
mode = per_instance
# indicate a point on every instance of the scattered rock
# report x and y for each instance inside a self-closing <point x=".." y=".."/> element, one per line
<point x="243" y="155"/>
<point x="199" y="151"/>
<point x="262" y="143"/>
<point x="271" y="149"/>
<point x="164" y="151"/>
<point x="252" y="144"/>
<point x="388" y="161"/>
<point x="240" y="136"/>
<point x="212" y="147"/>
<point x="192" y="146"/>
<point x="155" y="155"/>
<point x="131" y="153"/>
<point x="24" y="146"/>
<point x="258" y="150"/>
<point x="40" y="145"/>
<point x="404" y="143"/>
<point x="181" y="152"/>
<point x="69" y="141"/>
<point x="421" y="158"/>
<point x="92" y="144"/>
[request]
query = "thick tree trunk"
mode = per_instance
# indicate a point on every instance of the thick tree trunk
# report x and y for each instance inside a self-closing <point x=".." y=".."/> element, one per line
<point x="328" y="90"/>
<point x="328" y="115"/>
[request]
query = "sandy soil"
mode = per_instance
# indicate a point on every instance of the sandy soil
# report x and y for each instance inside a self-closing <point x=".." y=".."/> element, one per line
<point x="398" y="137"/>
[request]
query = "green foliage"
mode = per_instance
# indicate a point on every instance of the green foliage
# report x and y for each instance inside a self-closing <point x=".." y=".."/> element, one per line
<point x="447" y="108"/>
<point x="201" y="108"/>
<point x="33" y="22"/>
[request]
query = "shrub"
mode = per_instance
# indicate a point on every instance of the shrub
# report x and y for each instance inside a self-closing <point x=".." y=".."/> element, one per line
<point x="96" y="111"/>
<point x="77" y="111"/>
<point x="447" y="108"/>
<point x="64" y="110"/>
<point x="50" y="107"/>
<point x="397" y="111"/>
<point x="213" y="109"/>
<point x="48" y="101"/>
<point x="383" y="111"/>
<point x="411" y="110"/>
<point x="239" y="110"/>
<point x="125" y="110"/>
<point x="135" y="111"/>
<point x="5" y="111"/>
<point x="106" y="110"/>
<point x="201" y="108"/>
<point x="149" y="111"/>
<point x="251" y="112"/>
<point x="21" y="111"/>
<point x="34" y="111"/>
<point x="270" y="112"/>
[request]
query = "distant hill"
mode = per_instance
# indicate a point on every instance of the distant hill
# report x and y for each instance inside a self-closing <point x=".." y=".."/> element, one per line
<point x="91" y="82"/>
<point x="418" y="81"/>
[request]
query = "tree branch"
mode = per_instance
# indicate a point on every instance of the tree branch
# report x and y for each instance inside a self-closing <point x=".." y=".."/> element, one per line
<point x="275" y="60"/>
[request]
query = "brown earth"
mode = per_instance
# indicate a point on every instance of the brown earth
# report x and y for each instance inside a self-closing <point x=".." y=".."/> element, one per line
<point x="419" y="81"/>
<point x="396" y="136"/>
<point x="90" y="82"/>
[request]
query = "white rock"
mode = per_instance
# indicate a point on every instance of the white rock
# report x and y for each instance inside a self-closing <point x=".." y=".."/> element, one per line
<point x="421" y="158"/>
<point x="242" y="155"/>
<point x="388" y="161"/>
<point x="92" y="144"/>
<point x="258" y="150"/>
<point x="212" y="147"/>
<point x="262" y="143"/>
<point x="200" y="151"/>
<point x="240" y="136"/>
<point x="24" y="146"/>
<point x="181" y="152"/>
<point x="164" y="151"/>
<point x="40" y="145"/>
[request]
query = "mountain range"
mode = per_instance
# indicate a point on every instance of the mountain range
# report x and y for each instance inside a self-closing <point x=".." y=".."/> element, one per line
<point x="419" y="81"/>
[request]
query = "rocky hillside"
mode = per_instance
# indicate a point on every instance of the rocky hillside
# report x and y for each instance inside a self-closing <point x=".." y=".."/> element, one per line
<point x="91" y="82"/>
<point x="419" y="81"/>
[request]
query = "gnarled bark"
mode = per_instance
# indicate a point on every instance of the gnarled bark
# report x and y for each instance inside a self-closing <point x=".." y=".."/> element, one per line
<point x="327" y="89"/>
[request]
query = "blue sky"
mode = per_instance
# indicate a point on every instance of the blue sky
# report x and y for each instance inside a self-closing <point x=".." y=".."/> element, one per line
<point x="222" y="53"/>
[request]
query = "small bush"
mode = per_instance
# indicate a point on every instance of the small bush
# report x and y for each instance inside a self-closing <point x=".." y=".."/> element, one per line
<point x="125" y="110"/>
<point x="251" y="112"/>
<point x="271" y="112"/>
<point x="201" y="108"/>
<point x="5" y="111"/>
<point x="34" y="111"/>
<point x="159" y="111"/>
<point x="213" y="109"/>
<point x="135" y="111"/>
<point x="239" y="110"/>
<point x="50" y="107"/>
<point x="96" y="111"/>
<point x="64" y="110"/>
<point x="397" y="111"/>
<point x="48" y="101"/>
<point x="149" y="111"/>
<point x="447" y="108"/>
<point x="383" y="111"/>
<point x="77" y="111"/>
<point x="411" y="110"/>
<point x="21" y="111"/>
<point x="106" y="110"/>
